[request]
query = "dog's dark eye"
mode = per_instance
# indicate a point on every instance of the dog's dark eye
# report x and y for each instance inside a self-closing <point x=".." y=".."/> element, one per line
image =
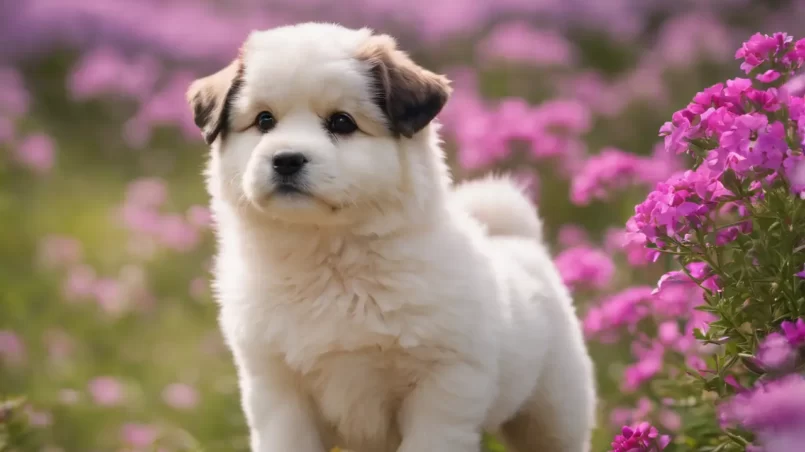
<point x="341" y="123"/>
<point x="265" y="121"/>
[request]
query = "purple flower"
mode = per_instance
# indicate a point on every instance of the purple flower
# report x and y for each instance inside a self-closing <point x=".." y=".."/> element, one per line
<point x="199" y="216"/>
<point x="633" y="246"/>
<point x="177" y="233"/>
<point x="571" y="235"/>
<point x="139" y="435"/>
<point x="147" y="192"/>
<point x="38" y="418"/>
<point x="12" y="349"/>
<point x="775" y="352"/>
<point x="641" y="438"/>
<point x="14" y="98"/>
<point x="7" y="130"/>
<point x="522" y="43"/>
<point x="794" y="332"/>
<point x="676" y="135"/>
<point x="106" y="71"/>
<point x="676" y="206"/>
<point x="794" y="169"/>
<point x="106" y="391"/>
<point x="774" y="411"/>
<point x="610" y="170"/>
<point x="180" y="396"/>
<point x="759" y="48"/>
<point x="623" y="309"/>
<point x="585" y="266"/>
<point x="768" y="76"/>
<point x="671" y="420"/>
<point x="647" y="366"/>
<point x="79" y="283"/>
<point x="38" y="152"/>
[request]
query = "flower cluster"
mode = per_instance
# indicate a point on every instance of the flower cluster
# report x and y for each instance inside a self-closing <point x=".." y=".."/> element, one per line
<point x="775" y="411"/>
<point x="584" y="266"/>
<point x="642" y="438"/>
<point x="734" y="223"/>
<point x="612" y="170"/>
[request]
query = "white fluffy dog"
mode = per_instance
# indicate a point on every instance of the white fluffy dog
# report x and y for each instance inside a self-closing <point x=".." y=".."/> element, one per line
<point x="368" y="303"/>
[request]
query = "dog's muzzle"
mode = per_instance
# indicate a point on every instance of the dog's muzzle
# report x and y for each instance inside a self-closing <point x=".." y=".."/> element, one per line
<point x="289" y="171"/>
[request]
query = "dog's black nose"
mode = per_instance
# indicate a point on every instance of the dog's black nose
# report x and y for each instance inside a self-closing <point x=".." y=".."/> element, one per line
<point x="288" y="163"/>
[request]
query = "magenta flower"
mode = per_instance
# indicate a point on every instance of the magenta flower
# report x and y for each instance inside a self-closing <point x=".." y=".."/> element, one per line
<point x="642" y="438"/>
<point x="625" y="416"/>
<point x="139" y="435"/>
<point x="37" y="152"/>
<point x="178" y="234"/>
<point x="774" y="411"/>
<point x="794" y="169"/>
<point x="147" y="192"/>
<point x="79" y="283"/>
<point x="775" y="352"/>
<point x="520" y="42"/>
<point x="794" y="332"/>
<point x="38" y="418"/>
<point x="624" y="309"/>
<point x="676" y="206"/>
<point x="671" y="420"/>
<point x="610" y="170"/>
<point x="633" y="245"/>
<point x="571" y="235"/>
<point x="199" y="216"/>
<point x="14" y="98"/>
<point x="647" y="366"/>
<point x="759" y="48"/>
<point x="7" y="130"/>
<point x="106" y="71"/>
<point x="110" y="295"/>
<point x="583" y="266"/>
<point x="180" y="396"/>
<point x="12" y="348"/>
<point x="106" y="391"/>
<point x="768" y="76"/>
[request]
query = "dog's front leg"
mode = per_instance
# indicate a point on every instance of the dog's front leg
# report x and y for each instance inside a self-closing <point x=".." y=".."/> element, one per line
<point x="278" y="412"/>
<point x="446" y="410"/>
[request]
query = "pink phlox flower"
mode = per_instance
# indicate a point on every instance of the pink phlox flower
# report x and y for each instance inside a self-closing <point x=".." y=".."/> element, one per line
<point x="641" y="438"/>
<point x="794" y="332"/>
<point x="585" y="266"/>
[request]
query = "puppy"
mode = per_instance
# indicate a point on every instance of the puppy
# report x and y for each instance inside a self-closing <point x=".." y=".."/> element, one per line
<point x="368" y="303"/>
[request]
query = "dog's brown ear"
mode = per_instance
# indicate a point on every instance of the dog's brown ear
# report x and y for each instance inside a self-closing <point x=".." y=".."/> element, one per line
<point x="210" y="98"/>
<point x="409" y="95"/>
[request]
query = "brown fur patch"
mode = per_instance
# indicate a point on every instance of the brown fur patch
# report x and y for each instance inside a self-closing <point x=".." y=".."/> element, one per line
<point x="409" y="95"/>
<point x="211" y="98"/>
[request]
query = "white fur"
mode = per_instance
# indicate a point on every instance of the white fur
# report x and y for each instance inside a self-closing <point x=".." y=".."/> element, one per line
<point x="388" y="311"/>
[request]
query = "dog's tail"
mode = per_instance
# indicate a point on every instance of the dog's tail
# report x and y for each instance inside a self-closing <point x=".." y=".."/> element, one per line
<point x="500" y="205"/>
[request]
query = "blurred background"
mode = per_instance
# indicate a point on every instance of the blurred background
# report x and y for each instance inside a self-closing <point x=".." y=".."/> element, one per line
<point x="107" y="327"/>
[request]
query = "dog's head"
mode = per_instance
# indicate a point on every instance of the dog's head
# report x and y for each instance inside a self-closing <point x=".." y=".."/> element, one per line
<point x="313" y="123"/>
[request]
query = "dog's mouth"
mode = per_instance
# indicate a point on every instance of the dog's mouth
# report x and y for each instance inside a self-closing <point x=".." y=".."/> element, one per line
<point x="291" y="190"/>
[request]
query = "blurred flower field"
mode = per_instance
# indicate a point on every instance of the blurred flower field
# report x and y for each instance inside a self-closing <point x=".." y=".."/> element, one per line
<point x="108" y="340"/>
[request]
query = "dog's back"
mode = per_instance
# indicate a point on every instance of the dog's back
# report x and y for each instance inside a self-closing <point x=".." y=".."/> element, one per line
<point x="544" y="339"/>
<point x="500" y="206"/>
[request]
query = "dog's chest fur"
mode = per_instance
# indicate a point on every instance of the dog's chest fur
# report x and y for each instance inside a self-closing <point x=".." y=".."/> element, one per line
<point x="346" y="316"/>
